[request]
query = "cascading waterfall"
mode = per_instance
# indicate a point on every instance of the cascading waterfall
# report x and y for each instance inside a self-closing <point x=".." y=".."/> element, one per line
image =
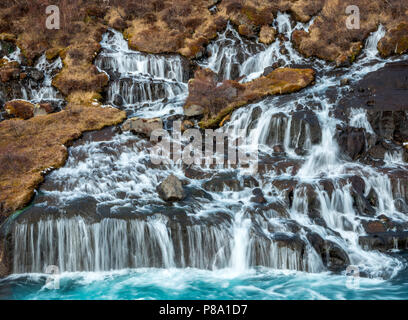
<point x="114" y="244"/>
<point x="137" y="77"/>
<point x="38" y="88"/>
<point x="46" y="92"/>
<point x="220" y="229"/>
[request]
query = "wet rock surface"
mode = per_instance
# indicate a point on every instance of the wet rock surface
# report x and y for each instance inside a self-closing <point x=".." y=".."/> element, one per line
<point x="385" y="90"/>
<point x="332" y="255"/>
<point x="352" y="141"/>
<point x="385" y="241"/>
<point x="171" y="189"/>
<point x="305" y="125"/>
<point x="219" y="100"/>
<point x="109" y="190"/>
<point x="142" y="126"/>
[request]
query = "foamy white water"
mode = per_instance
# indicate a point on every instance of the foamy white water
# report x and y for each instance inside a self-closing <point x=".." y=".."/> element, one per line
<point x="216" y="228"/>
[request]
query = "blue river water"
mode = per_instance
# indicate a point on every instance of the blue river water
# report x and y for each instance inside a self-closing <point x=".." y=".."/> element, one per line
<point x="192" y="284"/>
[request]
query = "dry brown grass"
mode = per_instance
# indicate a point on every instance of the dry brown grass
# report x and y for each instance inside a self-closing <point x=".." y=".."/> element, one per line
<point x="77" y="41"/>
<point x="329" y="39"/>
<point x="20" y="109"/>
<point x="185" y="27"/>
<point x="220" y="100"/>
<point x="39" y="145"/>
<point x="173" y="26"/>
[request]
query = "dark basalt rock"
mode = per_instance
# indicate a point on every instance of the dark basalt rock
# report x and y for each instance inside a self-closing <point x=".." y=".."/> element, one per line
<point x="201" y="194"/>
<point x="384" y="94"/>
<point x="333" y="257"/>
<point x="360" y="203"/>
<point x="308" y="192"/>
<point x="293" y="242"/>
<point x="385" y="241"/>
<point x="304" y="122"/>
<point x="277" y="149"/>
<point x="279" y="163"/>
<point x="374" y="227"/>
<point x="273" y="209"/>
<point x="357" y="183"/>
<point x="383" y="90"/>
<point x="372" y="198"/>
<point x="255" y="115"/>
<point x="118" y="100"/>
<point x="327" y="185"/>
<point x="250" y="182"/>
<point x="352" y="141"/>
<point x="287" y="187"/>
<point x="399" y="181"/>
<point x="35" y="74"/>
<point x="195" y="173"/>
<point x="223" y="182"/>
<point x="258" y="196"/>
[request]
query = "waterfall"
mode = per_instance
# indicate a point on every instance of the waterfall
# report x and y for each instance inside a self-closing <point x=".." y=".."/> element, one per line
<point x="45" y="91"/>
<point x="37" y="86"/>
<point x="138" y="77"/>
<point x="112" y="244"/>
<point x="106" y="193"/>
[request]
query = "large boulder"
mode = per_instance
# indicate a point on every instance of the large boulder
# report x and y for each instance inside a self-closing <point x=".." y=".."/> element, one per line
<point x="142" y="126"/>
<point x="171" y="189"/>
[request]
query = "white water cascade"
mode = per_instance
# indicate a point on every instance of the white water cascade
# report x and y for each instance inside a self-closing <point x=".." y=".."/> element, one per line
<point x="218" y="225"/>
<point x="137" y="77"/>
<point x="37" y="86"/>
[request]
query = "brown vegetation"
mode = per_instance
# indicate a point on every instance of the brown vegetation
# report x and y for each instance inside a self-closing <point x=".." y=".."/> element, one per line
<point x="218" y="101"/>
<point x="182" y="26"/>
<point x="28" y="147"/>
<point x="20" y="109"/>
<point x="186" y="26"/>
<point x="329" y="39"/>
<point x="9" y="70"/>
<point x="396" y="41"/>
<point x="160" y="26"/>
<point x="250" y="16"/>
<point x="77" y="40"/>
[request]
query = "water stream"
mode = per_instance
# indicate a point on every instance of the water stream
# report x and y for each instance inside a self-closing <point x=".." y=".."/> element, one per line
<point x="100" y="220"/>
